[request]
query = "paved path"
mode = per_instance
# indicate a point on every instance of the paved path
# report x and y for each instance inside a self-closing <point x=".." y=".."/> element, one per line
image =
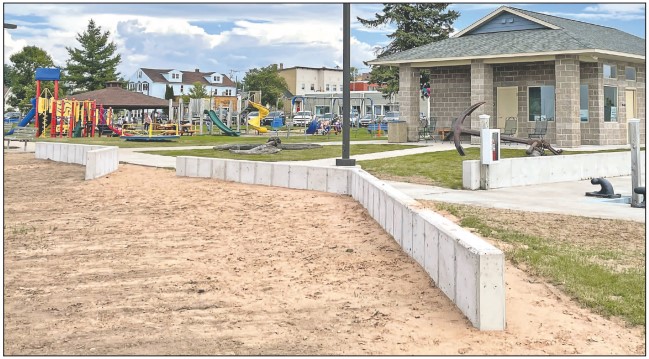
<point x="563" y="198"/>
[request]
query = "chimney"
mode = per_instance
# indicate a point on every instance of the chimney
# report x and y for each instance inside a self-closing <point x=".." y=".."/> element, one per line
<point x="113" y="84"/>
<point x="281" y="66"/>
<point x="196" y="70"/>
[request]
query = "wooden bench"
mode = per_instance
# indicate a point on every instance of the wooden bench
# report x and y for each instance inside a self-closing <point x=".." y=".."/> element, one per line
<point x="21" y="134"/>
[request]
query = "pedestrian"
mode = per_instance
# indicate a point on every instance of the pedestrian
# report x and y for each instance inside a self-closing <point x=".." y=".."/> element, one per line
<point x="147" y="121"/>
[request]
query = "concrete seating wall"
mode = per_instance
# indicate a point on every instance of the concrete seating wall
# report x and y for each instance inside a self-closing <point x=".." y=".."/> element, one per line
<point x="466" y="268"/>
<point x="524" y="171"/>
<point x="99" y="160"/>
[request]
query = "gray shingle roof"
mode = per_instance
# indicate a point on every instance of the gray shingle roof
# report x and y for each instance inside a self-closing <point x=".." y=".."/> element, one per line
<point x="572" y="35"/>
<point x="189" y="77"/>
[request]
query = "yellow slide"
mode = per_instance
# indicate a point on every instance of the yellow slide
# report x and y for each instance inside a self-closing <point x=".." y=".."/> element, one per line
<point x="255" y="122"/>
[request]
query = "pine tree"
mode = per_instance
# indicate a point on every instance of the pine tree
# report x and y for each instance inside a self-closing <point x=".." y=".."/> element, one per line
<point x="416" y="25"/>
<point x="95" y="63"/>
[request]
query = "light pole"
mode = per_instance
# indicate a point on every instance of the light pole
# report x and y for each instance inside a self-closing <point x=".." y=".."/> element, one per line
<point x="345" y="160"/>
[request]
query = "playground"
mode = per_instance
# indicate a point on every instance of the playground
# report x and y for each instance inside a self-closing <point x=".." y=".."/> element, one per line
<point x="109" y="267"/>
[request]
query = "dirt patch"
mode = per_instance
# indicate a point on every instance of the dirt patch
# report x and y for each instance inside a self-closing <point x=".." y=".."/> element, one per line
<point x="143" y="262"/>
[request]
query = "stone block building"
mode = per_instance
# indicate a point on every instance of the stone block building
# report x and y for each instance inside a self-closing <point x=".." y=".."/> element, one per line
<point x="586" y="80"/>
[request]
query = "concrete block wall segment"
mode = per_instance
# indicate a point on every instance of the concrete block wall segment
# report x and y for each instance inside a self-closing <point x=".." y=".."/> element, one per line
<point x="91" y="164"/>
<point x="389" y="215"/>
<point x="281" y="175"/>
<point x="298" y="176"/>
<point x="338" y="180"/>
<point x="218" y="169"/>
<point x="471" y="174"/>
<point x="263" y="173"/>
<point x="406" y="230"/>
<point x="191" y="167"/>
<point x="204" y="167"/>
<point x="50" y="151"/>
<point x="63" y="156"/>
<point x="56" y="152"/>
<point x="317" y="179"/>
<point x="418" y="239"/>
<point x="232" y="171"/>
<point x="431" y="242"/>
<point x="247" y="170"/>
<point x="180" y="166"/>
<point x="79" y="155"/>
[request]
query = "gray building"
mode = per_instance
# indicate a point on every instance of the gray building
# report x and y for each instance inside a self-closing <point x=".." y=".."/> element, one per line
<point x="586" y="80"/>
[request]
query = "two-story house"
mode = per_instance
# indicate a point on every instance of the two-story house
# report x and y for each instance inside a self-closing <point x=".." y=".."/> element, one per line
<point x="153" y="82"/>
<point x="302" y="80"/>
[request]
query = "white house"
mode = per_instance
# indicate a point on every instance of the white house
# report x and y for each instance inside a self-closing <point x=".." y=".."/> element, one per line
<point x="153" y="82"/>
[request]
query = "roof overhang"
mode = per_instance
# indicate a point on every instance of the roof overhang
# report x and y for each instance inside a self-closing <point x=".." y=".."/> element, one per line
<point x="498" y="12"/>
<point x="584" y="55"/>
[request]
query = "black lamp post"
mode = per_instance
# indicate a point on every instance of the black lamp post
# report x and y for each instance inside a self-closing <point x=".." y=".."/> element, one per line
<point x="345" y="160"/>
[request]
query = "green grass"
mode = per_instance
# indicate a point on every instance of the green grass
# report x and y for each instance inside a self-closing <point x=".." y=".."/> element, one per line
<point x="577" y="270"/>
<point x="286" y="155"/>
<point x="216" y="139"/>
<point x="443" y="168"/>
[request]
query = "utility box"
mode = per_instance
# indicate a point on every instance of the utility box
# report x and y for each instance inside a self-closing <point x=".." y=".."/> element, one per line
<point x="489" y="146"/>
<point x="397" y="132"/>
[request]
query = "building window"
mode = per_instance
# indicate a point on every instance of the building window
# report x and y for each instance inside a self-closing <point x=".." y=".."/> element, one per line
<point x="610" y="71"/>
<point x="216" y="78"/>
<point x="145" y="86"/>
<point x="312" y="87"/>
<point x="181" y="88"/>
<point x="333" y="88"/>
<point x="327" y="87"/>
<point x="139" y="74"/>
<point x="610" y="104"/>
<point x="227" y="92"/>
<point x="139" y="86"/>
<point x="630" y="73"/>
<point x="541" y="103"/>
<point x="303" y="86"/>
<point x="583" y="103"/>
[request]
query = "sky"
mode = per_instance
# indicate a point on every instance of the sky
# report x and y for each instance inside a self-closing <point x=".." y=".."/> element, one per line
<point x="232" y="38"/>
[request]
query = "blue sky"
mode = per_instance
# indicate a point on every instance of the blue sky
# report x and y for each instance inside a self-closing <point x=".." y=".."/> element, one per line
<point x="233" y="38"/>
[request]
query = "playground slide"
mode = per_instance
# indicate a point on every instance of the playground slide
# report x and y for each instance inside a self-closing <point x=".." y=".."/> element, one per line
<point x="215" y="119"/>
<point x="255" y="122"/>
<point x="116" y="130"/>
<point x="27" y="119"/>
<point x="313" y="127"/>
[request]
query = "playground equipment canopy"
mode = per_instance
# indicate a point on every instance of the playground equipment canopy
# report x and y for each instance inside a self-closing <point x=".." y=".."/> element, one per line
<point x="119" y="98"/>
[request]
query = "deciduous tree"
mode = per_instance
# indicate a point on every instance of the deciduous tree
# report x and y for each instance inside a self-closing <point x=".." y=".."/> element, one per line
<point x="22" y="75"/>
<point x="268" y="81"/>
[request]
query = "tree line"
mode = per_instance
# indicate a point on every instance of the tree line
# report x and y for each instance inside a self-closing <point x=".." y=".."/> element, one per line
<point x="95" y="61"/>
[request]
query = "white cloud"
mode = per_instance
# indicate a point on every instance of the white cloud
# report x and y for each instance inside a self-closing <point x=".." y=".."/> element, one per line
<point x="617" y="8"/>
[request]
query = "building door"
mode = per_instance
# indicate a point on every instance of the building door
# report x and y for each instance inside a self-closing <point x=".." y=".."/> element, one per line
<point x="506" y="104"/>
<point x="630" y="104"/>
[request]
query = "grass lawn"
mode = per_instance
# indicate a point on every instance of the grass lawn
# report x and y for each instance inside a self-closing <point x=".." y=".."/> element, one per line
<point x="286" y="155"/>
<point x="213" y="140"/>
<point x="596" y="270"/>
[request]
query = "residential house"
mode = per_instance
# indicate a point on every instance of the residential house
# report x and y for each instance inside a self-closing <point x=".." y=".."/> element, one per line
<point x="153" y="82"/>
<point x="302" y="80"/>
<point x="586" y="80"/>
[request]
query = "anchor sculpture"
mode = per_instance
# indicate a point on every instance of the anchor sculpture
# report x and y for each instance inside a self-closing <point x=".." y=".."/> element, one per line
<point x="536" y="145"/>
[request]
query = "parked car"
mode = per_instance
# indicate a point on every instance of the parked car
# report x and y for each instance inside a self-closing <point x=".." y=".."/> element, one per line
<point x="328" y="117"/>
<point x="366" y="119"/>
<point x="12" y="117"/>
<point x="302" y="118"/>
<point x="268" y="120"/>
<point x="391" y="116"/>
<point x="252" y="114"/>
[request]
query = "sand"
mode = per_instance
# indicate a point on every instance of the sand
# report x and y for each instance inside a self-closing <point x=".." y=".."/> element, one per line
<point x="142" y="262"/>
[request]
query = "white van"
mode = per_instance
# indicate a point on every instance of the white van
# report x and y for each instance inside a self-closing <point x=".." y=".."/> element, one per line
<point x="302" y="118"/>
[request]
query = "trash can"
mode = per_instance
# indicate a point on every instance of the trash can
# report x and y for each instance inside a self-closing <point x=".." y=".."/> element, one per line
<point x="397" y="132"/>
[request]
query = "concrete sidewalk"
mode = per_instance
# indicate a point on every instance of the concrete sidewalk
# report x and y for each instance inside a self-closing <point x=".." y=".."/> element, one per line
<point x="562" y="198"/>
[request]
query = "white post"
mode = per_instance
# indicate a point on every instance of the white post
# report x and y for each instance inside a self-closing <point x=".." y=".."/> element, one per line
<point x="484" y="168"/>
<point x="636" y="171"/>
<point x="180" y="113"/>
<point x="428" y="109"/>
